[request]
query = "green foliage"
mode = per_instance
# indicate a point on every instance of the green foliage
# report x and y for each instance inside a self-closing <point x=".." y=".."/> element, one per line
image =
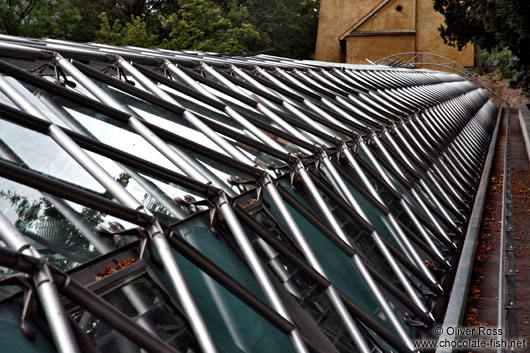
<point x="291" y="25"/>
<point x="503" y="59"/>
<point x="501" y="27"/>
<point x="12" y="13"/>
<point x="204" y="25"/>
<point x="40" y="18"/>
<point x="134" y="33"/>
<point x="210" y="25"/>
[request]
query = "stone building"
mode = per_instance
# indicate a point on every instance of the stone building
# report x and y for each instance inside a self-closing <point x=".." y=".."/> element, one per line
<point x="352" y="31"/>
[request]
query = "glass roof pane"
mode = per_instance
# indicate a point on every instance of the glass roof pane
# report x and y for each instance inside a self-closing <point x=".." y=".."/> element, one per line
<point x="65" y="233"/>
<point x="142" y="301"/>
<point x="234" y="325"/>
<point x="339" y="267"/>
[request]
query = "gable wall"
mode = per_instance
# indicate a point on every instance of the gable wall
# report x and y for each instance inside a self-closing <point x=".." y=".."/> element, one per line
<point x="337" y="16"/>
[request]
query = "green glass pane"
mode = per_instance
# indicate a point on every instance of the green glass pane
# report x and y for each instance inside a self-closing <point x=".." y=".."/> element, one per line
<point x="338" y="266"/>
<point x="65" y="233"/>
<point x="143" y="302"/>
<point x="12" y="340"/>
<point x="234" y="326"/>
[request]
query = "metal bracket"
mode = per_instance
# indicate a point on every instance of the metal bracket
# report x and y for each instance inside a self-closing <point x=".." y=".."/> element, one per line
<point x="237" y="181"/>
<point x="415" y="323"/>
<point x="23" y="281"/>
<point x="58" y="73"/>
<point x="120" y="73"/>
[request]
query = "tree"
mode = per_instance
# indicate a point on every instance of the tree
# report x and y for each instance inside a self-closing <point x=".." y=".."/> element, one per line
<point x="12" y="13"/>
<point x="134" y="33"/>
<point x="494" y="25"/>
<point x="204" y="25"/>
<point x="210" y="25"/>
<point x="39" y="18"/>
<point x="121" y="11"/>
<point x="291" y="25"/>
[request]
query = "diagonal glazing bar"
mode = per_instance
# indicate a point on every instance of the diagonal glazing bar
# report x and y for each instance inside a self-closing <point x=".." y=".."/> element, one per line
<point x="119" y="192"/>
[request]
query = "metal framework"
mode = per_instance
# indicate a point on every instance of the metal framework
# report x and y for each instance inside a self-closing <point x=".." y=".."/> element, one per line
<point x="183" y="201"/>
<point x="419" y="59"/>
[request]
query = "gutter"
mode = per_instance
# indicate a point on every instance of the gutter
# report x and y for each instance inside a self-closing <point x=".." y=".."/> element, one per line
<point x="457" y="301"/>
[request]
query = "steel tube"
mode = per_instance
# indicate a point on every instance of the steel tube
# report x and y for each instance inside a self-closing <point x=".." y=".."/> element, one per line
<point x="227" y="109"/>
<point x="56" y="316"/>
<point x="375" y="236"/>
<point x="356" y="259"/>
<point x="181" y="289"/>
<point x="188" y="115"/>
<point x="259" y="270"/>
<point x="346" y="318"/>
<point x="403" y="203"/>
<point x="409" y="248"/>
<point x="120" y="193"/>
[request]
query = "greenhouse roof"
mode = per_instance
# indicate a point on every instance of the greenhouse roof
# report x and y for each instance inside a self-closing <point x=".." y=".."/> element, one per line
<point x="178" y="201"/>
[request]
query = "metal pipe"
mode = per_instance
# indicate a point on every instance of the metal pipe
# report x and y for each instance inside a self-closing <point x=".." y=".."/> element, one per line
<point x="306" y="179"/>
<point x="181" y="288"/>
<point x="56" y="315"/>
<point x="188" y="115"/>
<point x="353" y="330"/>
<point x="327" y="102"/>
<point x="260" y="106"/>
<point x="413" y="253"/>
<point x="227" y="109"/>
<point x="289" y="106"/>
<point x="306" y="102"/>
<point x="331" y="292"/>
<point x="120" y="193"/>
<point x="413" y="191"/>
<point x="258" y="269"/>
<point x="375" y="236"/>
<point x="173" y="154"/>
<point x="403" y="203"/>
<point x="69" y="146"/>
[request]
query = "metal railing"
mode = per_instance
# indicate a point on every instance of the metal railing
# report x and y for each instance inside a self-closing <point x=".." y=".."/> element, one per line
<point x="506" y="305"/>
<point x="417" y="59"/>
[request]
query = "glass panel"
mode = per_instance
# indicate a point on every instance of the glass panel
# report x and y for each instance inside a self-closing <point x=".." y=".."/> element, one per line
<point x="177" y="124"/>
<point x="393" y="204"/>
<point x="158" y="196"/>
<point x="339" y="267"/>
<point x="234" y="326"/>
<point x="65" y="233"/>
<point x="39" y="152"/>
<point x="374" y="216"/>
<point x="12" y="339"/>
<point x="312" y="298"/>
<point x="357" y="235"/>
<point x="119" y="135"/>
<point x="395" y="181"/>
<point x="196" y="232"/>
<point x="200" y="109"/>
<point x="142" y="301"/>
<point x="404" y="191"/>
<point x="19" y="145"/>
<point x="381" y="224"/>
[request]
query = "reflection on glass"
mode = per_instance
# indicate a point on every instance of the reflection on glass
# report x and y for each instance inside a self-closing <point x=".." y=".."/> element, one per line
<point x="151" y="309"/>
<point x="304" y="290"/>
<point x="66" y="234"/>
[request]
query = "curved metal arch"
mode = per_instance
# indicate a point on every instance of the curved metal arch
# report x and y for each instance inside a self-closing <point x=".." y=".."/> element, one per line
<point x="431" y="59"/>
